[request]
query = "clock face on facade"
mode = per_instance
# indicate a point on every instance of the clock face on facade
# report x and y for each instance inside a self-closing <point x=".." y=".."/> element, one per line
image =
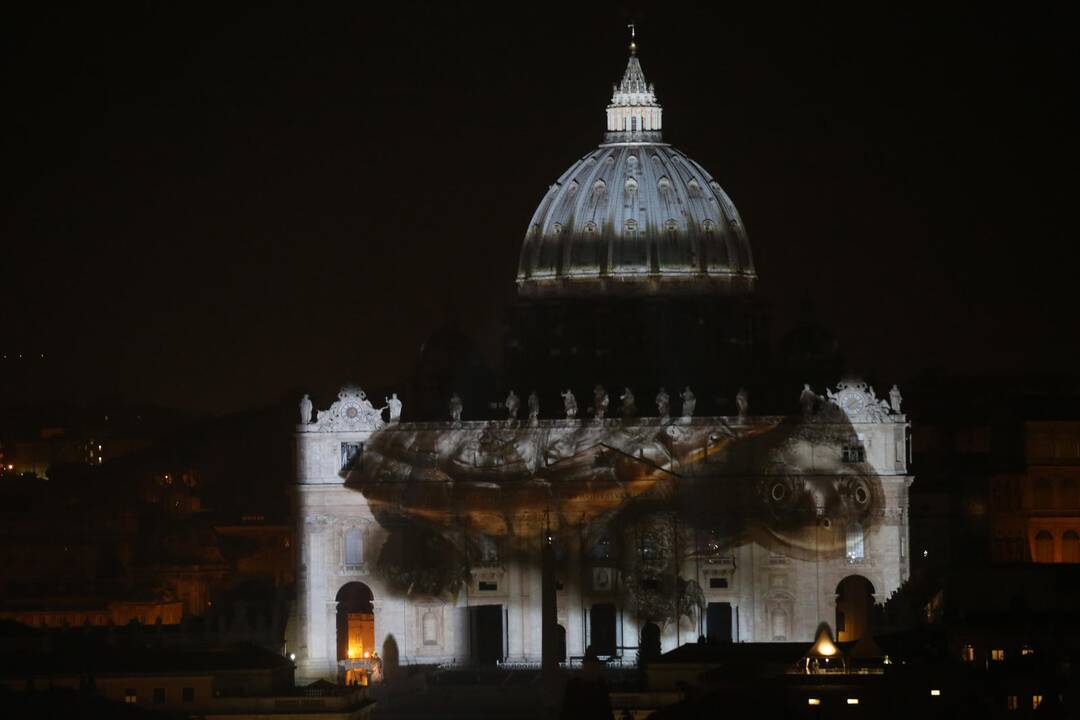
<point x="852" y="402"/>
<point x="352" y="411"/>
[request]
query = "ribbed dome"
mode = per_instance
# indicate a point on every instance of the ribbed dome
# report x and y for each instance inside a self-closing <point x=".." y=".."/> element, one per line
<point x="635" y="216"/>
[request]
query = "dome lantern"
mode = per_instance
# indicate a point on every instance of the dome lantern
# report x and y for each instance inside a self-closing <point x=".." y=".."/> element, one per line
<point x="633" y="114"/>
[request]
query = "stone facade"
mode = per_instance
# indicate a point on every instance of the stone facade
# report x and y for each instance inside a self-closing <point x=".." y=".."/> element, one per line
<point x="798" y="504"/>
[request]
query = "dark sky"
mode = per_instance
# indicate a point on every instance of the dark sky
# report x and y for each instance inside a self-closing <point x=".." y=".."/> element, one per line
<point x="207" y="207"/>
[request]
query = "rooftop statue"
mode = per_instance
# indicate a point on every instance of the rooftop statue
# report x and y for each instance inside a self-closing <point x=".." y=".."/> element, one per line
<point x="534" y="408"/>
<point x="663" y="403"/>
<point x="456" y="407"/>
<point x="742" y="403"/>
<point x="689" y="402"/>
<point x="394" y="404"/>
<point x="305" y="410"/>
<point x="600" y="402"/>
<point x="569" y="404"/>
<point x="513" y="404"/>
<point x="895" y="399"/>
<point x="807" y="399"/>
<point x="629" y="407"/>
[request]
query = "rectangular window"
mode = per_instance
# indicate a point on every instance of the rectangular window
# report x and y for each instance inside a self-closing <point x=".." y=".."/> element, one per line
<point x="1036" y="701"/>
<point x="1012" y="702"/>
<point x="968" y="653"/>
<point x="997" y="654"/>
<point x="130" y="696"/>
<point x="485" y="586"/>
<point x="717" y="583"/>
<point x="354" y="547"/>
<point x="352" y="455"/>
<point x="188" y="694"/>
<point x="159" y="696"/>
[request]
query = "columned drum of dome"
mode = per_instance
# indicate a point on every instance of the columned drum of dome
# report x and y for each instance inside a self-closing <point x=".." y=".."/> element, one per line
<point x="635" y="216"/>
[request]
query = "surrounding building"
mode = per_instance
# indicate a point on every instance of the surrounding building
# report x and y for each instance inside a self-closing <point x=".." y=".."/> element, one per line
<point x="625" y="524"/>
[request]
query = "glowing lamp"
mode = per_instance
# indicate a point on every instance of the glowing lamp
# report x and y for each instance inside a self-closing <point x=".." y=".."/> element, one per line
<point x="935" y="693"/>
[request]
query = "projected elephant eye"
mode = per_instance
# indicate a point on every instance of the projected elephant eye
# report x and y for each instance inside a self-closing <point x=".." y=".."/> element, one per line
<point x="778" y="492"/>
<point x="861" y="494"/>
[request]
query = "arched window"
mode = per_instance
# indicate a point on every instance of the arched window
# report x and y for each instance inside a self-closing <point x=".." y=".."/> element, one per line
<point x="856" y="543"/>
<point x="1044" y="547"/>
<point x="1070" y="547"/>
<point x="354" y="547"/>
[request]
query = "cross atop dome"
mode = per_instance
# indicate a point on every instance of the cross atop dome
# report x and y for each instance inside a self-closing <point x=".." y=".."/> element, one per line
<point x="633" y="114"/>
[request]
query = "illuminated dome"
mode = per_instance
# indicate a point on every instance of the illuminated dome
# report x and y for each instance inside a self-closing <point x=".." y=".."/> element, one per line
<point x="635" y="216"/>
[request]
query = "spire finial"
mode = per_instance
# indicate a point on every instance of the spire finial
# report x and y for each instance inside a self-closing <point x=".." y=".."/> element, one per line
<point x="633" y="34"/>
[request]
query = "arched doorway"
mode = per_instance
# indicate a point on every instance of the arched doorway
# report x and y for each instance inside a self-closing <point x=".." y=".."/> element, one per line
<point x="854" y="608"/>
<point x="355" y="621"/>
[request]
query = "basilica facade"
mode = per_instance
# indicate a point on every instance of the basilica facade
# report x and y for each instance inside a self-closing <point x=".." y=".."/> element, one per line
<point x="610" y="524"/>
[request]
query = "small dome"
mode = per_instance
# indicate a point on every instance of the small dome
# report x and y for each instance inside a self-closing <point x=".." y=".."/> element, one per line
<point x="635" y="216"/>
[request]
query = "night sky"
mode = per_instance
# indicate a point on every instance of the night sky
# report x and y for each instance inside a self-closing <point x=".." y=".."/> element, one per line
<point x="207" y="208"/>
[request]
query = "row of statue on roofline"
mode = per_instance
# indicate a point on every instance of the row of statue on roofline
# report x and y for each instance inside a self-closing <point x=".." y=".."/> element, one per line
<point x="601" y="402"/>
<point x="808" y="400"/>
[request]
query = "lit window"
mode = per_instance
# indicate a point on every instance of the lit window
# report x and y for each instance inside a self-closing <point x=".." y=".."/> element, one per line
<point x="1027" y="650"/>
<point x="130" y="696"/>
<point x="856" y="545"/>
<point x="1036" y="701"/>
<point x="968" y="653"/>
<point x="853" y="701"/>
<point x="1012" y="702"/>
<point x="935" y="693"/>
<point x="813" y="701"/>
<point x="997" y="654"/>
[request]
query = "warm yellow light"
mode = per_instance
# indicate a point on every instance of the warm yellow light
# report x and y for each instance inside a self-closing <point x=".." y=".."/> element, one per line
<point x="367" y="655"/>
<point x="935" y="693"/>
<point x="824" y="646"/>
<point x="853" y="701"/>
<point x="813" y="701"/>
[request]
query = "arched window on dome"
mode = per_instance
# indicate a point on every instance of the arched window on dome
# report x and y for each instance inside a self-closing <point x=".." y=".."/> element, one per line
<point x="631" y="187"/>
<point x="663" y="185"/>
<point x="572" y="188"/>
<point x="590" y="227"/>
<point x="1044" y="547"/>
<point x="716" y="248"/>
<point x="1070" y="547"/>
<point x="694" y="189"/>
<point x="599" y="191"/>
<point x="556" y="228"/>
<point x="631" y="225"/>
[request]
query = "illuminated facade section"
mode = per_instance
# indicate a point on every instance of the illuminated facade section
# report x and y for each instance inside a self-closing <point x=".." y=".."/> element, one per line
<point x="732" y="528"/>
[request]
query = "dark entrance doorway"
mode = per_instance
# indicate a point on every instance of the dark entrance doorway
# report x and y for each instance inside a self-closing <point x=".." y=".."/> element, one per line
<point x="854" y="608"/>
<point x="486" y="633"/>
<point x="602" y="629"/>
<point x="718" y="622"/>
